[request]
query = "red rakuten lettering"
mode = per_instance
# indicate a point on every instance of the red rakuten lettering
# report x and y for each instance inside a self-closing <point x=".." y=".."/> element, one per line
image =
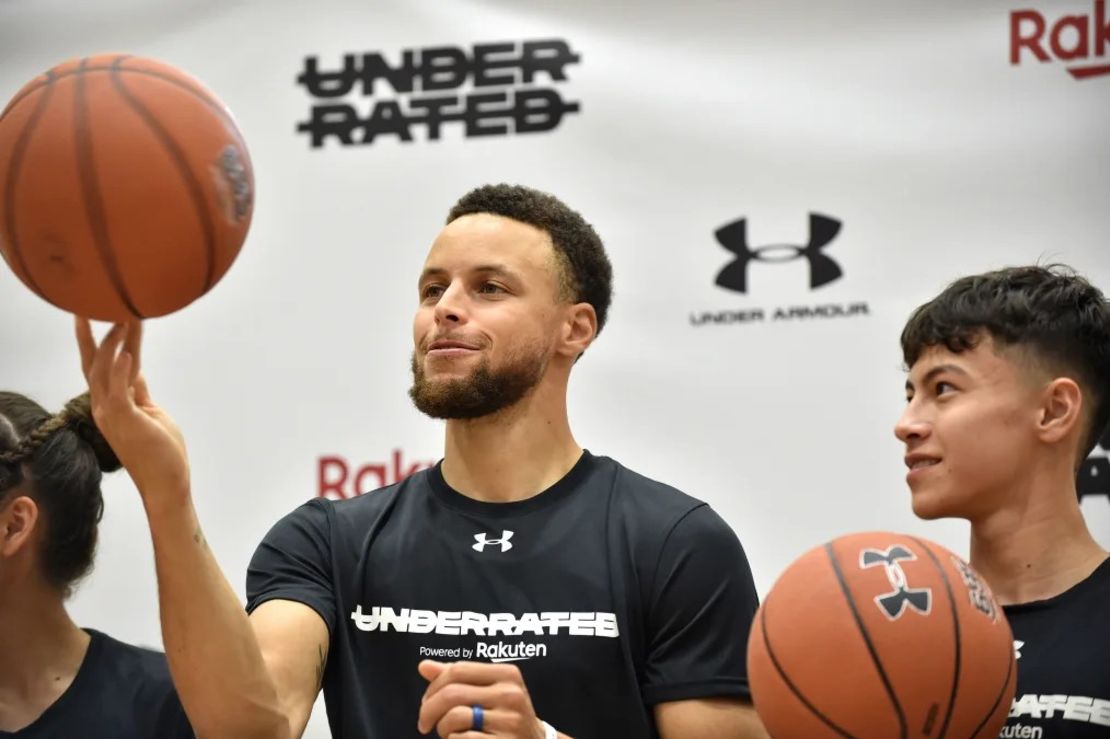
<point x="1072" y="37"/>
<point x="335" y="480"/>
<point x="327" y="484"/>
<point x="361" y="485"/>
<point x="1032" y="41"/>
<point x="1102" y="28"/>
<point x="1078" y="23"/>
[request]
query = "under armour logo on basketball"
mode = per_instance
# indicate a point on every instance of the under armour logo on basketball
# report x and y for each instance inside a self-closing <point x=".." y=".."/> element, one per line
<point x="822" y="269"/>
<point x="482" y="542"/>
<point x="894" y="604"/>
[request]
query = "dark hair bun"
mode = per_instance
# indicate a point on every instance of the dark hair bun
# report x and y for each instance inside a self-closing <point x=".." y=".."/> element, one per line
<point x="79" y="419"/>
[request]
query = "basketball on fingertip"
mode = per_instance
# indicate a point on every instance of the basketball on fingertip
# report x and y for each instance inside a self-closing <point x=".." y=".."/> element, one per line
<point x="879" y="635"/>
<point x="126" y="189"/>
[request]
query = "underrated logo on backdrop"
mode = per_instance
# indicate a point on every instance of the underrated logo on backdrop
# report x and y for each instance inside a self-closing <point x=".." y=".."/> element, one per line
<point x="490" y="89"/>
<point x="339" y="479"/>
<point x="817" y="253"/>
<point x="1081" y="42"/>
<point x="1094" y="473"/>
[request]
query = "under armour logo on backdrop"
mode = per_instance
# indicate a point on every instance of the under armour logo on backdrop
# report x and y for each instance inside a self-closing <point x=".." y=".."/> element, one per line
<point x="894" y="604"/>
<point x="1094" y="473"/>
<point x="504" y="542"/>
<point x="822" y="269"/>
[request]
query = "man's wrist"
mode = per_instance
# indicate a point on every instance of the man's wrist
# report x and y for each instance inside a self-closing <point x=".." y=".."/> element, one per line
<point x="169" y="515"/>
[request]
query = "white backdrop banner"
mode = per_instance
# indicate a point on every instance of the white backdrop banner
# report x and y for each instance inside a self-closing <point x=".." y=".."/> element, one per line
<point x="778" y="183"/>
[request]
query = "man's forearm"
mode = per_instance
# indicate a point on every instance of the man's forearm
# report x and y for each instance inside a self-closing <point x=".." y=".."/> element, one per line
<point x="214" y="657"/>
<point x="709" y="718"/>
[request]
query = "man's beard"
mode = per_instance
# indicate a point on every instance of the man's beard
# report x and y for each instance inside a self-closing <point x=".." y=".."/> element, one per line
<point x="481" y="393"/>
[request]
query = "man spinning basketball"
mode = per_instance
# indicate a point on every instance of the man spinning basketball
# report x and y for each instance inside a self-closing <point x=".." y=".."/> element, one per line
<point x="522" y="584"/>
<point x="1009" y="387"/>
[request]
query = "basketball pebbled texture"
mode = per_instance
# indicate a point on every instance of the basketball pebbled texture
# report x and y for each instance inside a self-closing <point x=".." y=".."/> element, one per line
<point x="126" y="189"/>
<point x="881" y="635"/>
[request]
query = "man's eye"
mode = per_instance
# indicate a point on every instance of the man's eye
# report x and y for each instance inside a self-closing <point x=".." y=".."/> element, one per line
<point x="431" y="291"/>
<point x="491" y="287"/>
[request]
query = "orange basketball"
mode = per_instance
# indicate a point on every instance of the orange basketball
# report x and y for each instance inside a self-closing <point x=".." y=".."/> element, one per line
<point x="125" y="187"/>
<point x="881" y="636"/>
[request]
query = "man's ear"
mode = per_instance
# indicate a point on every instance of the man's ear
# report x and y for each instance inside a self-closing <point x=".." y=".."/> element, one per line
<point x="18" y="520"/>
<point x="1061" y="412"/>
<point x="578" y="330"/>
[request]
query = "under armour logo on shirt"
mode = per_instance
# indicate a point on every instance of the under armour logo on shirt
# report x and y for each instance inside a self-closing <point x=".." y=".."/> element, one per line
<point x="1017" y="648"/>
<point x="482" y="541"/>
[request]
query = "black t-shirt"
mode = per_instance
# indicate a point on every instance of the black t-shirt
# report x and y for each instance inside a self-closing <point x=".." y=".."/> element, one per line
<point x="119" y="692"/>
<point x="610" y="591"/>
<point x="1063" y="647"/>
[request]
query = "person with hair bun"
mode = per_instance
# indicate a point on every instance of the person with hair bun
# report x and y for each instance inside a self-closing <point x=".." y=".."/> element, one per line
<point x="57" y="679"/>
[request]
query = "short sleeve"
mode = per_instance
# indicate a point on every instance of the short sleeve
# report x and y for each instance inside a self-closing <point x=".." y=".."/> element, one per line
<point x="293" y="562"/>
<point x="702" y="605"/>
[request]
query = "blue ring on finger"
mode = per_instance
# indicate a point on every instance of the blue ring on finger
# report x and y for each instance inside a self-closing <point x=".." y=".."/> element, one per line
<point x="479" y="718"/>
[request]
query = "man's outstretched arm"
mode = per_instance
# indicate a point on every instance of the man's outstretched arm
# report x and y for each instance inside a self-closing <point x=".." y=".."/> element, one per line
<point x="236" y="677"/>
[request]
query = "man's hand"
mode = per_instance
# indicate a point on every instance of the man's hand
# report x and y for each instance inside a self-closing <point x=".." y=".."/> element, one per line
<point x="454" y="689"/>
<point x="146" y="440"/>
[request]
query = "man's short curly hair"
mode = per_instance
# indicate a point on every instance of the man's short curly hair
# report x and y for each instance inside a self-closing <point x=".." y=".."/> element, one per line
<point x="1055" y="314"/>
<point x="587" y="275"/>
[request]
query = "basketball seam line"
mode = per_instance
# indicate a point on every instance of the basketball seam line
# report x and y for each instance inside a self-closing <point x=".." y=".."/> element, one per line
<point x="1001" y="694"/>
<point x="793" y="688"/>
<point x="867" y="640"/>
<point x="958" y="638"/>
<point x="18" y="152"/>
<point x="94" y="207"/>
<point x="196" y="193"/>
<point x="196" y="92"/>
<point x="50" y="78"/>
